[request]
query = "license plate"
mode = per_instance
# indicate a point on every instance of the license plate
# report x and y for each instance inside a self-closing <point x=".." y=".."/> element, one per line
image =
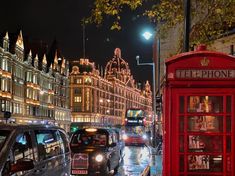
<point x="79" y="172"/>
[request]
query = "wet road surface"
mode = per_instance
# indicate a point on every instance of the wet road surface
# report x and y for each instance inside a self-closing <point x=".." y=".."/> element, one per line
<point x="135" y="160"/>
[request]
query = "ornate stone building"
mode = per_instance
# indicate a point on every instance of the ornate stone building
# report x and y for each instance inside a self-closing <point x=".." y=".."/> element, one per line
<point x="32" y="88"/>
<point x="104" y="98"/>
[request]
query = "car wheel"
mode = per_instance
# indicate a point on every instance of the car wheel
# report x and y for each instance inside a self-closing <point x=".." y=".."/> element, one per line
<point x="116" y="169"/>
<point x="106" y="171"/>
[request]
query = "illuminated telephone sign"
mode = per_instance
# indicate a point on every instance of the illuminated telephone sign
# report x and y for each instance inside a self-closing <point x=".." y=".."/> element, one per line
<point x="211" y="74"/>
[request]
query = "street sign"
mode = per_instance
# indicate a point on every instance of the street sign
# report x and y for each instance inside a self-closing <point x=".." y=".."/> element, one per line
<point x="7" y="115"/>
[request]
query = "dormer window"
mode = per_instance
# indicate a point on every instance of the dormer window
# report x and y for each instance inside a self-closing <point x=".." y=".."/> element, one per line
<point x="88" y="80"/>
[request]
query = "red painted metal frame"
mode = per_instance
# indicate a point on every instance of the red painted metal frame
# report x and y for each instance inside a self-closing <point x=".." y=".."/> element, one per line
<point x="176" y="87"/>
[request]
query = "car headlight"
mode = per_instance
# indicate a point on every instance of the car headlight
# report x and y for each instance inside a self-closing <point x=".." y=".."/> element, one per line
<point x="124" y="136"/>
<point x="99" y="158"/>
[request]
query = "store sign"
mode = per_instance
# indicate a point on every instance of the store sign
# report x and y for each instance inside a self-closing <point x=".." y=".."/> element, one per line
<point x="211" y="74"/>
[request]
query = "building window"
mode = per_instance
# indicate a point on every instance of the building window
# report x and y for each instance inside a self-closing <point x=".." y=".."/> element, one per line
<point x="18" y="90"/>
<point x="19" y="73"/>
<point x="77" y="91"/>
<point x="49" y="85"/>
<point x="35" y="95"/>
<point x="78" y="99"/>
<point x="6" y="105"/>
<point x="77" y="109"/>
<point x="4" y="64"/>
<point x="29" y="76"/>
<point x="78" y="81"/>
<point x="87" y="99"/>
<point x="88" y="80"/>
<point x="28" y="93"/>
<point x="63" y="92"/>
<point x="35" y="80"/>
<point x="50" y="99"/>
<point x="5" y="85"/>
<point x="18" y="109"/>
<point x="28" y="110"/>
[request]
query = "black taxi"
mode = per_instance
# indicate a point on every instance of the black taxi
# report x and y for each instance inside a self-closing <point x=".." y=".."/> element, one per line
<point x="94" y="151"/>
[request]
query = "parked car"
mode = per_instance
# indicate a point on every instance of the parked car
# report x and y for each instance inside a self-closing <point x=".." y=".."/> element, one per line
<point x="33" y="150"/>
<point x="94" y="151"/>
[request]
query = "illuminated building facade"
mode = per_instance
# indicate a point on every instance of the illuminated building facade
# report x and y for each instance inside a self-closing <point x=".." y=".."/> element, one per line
<point x="104" y="98"/>
<point x="31" y="88"/>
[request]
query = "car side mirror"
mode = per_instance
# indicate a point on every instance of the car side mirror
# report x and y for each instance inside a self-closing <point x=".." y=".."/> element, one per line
<point x="22" y="165"/>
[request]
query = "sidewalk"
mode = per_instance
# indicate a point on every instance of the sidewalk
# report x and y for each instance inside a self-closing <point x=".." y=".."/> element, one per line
<point x="155" y="163"/>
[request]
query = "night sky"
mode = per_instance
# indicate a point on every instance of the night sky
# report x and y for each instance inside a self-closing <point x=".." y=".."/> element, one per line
<point x="47" y="20"/>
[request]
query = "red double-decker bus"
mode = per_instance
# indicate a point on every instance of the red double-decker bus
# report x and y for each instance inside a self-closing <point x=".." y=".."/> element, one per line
<point x="135" y="133"/>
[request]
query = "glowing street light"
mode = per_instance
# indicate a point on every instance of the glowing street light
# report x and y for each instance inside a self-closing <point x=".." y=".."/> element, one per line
<point x="147" y="35"/>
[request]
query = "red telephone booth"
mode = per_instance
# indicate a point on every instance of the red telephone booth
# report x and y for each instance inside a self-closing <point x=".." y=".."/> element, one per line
<point x="199" y="114"/>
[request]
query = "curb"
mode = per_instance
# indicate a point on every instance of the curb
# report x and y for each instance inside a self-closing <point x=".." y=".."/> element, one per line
<point x="152" y="150"/>
<point x="146" y="171"/>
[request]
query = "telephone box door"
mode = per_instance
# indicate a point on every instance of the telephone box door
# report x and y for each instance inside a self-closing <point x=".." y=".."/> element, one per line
<point x="204" y="124"/>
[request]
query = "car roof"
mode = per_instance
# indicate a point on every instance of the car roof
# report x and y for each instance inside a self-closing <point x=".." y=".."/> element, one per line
<point x="31" y="126"/>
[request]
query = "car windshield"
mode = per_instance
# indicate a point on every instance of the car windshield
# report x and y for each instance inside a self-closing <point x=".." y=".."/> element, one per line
<point x="3" y="137"/>
<point x="135" y="130"/>
<point x="89" y="139"/>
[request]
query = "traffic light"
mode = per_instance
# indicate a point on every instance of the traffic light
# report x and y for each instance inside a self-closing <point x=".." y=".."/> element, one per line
<point x="159" y="103"/>
<point x="74" y="128"/>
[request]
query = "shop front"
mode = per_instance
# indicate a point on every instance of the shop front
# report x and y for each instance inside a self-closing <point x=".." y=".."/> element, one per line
<point x="198" y="102"/>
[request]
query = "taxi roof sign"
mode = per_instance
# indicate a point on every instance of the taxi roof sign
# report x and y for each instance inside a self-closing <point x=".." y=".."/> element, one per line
<point x="91" y="130"/>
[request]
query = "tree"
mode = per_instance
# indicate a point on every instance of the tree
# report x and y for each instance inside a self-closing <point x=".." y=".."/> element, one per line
<point x="209" y="18"/>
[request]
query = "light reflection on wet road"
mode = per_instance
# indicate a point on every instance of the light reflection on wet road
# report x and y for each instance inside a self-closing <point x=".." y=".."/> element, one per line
<point x="134" y="161"/>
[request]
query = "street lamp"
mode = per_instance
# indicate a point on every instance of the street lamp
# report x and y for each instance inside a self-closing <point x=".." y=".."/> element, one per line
<point x="156" y="57"/>
<point x="147" y="35"/>
<point x="154" y="97"/>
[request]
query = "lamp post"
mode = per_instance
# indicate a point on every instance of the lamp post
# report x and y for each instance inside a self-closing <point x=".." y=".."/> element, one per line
<point x="154" y="97"/>
<point x="187" y="4"/>
<point x="156" y="58"/>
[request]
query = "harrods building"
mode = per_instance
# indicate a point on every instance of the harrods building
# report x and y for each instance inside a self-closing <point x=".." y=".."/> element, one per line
<point x="34" y="86"/>
<point x="102" y="96"/>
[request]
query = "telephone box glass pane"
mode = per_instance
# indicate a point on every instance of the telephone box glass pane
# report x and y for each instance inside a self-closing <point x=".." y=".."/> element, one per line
<point x="228" y="144"/>
<point x="205" y="163"/>
<point x="181" y="104"/>
<point x="204" y="143"/>
<point x="181" y="124"/>
<point x="228" y="104"/>
<point x="181" y="161"/>
<point x="228" y="124"/>
<point x="205" y="104"/>
<point x="181" y="143"/>
<point x="205" y="123"/>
